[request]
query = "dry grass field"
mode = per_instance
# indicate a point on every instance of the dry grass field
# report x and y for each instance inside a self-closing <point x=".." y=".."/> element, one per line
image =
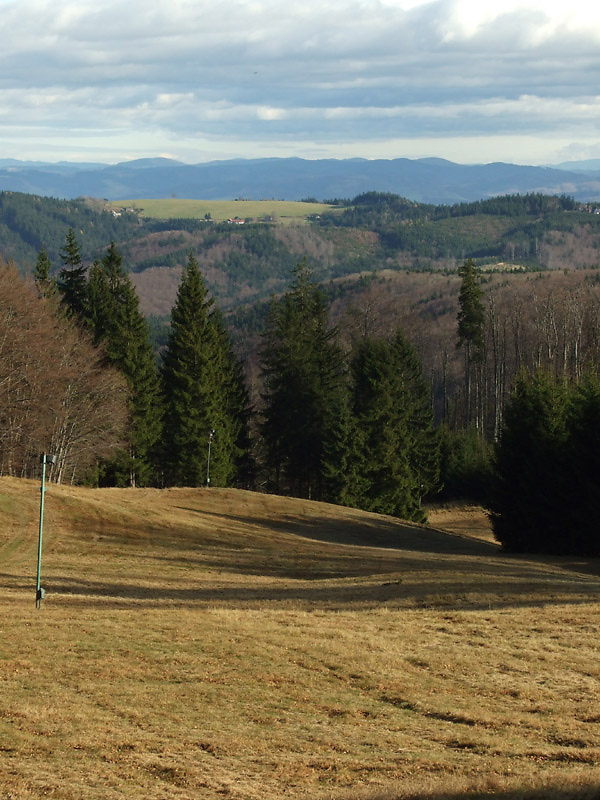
<point x="223" y="644"/>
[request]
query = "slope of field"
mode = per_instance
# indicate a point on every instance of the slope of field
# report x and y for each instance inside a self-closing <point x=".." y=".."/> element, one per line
<point x="281" y="211"/>
<point x="204" y="644"/>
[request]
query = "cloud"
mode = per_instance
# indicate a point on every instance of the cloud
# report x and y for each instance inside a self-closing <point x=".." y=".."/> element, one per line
<point x="259" y="74"/>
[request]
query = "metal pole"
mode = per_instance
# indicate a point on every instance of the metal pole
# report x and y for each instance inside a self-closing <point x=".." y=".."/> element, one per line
<point x="39" y="592"/>
<point x="210" y="436"/>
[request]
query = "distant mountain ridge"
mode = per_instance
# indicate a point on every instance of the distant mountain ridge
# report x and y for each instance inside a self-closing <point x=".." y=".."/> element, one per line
<point x="426" y="180"/>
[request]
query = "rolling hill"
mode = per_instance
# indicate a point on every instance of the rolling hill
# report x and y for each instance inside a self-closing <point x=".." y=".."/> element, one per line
<point x="249" y="262"/>
<point x="208" y="643"/>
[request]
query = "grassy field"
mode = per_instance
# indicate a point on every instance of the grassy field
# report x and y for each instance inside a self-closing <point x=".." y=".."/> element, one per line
<point x="207" y="644"/>
<point x="285" y="212"/>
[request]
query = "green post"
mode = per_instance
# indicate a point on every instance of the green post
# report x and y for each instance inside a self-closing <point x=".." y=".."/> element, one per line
<point x="39" y="592"/>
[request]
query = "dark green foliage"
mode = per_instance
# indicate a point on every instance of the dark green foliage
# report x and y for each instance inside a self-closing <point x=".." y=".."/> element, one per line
<point x="72" y="282"/>
<point x="485" y="228"/>
<point x="471" y="326"/>
<point x="340" y="461"/>
<point x="471" y="314"/>
<point x="28" y="222"/>
<point x="545" y="487"/>
<point x="398" y="447"/>
<point x="203" y="390"/>
<point x="113" y="312"/>
<point x="158" y="327"/>
<point x="582" y="478"/>
<point x="465" y="465"/>
<point x="99" y="302"/>
<point x="372" y="444"/>
<point x="303" y="378"/>
<point x="46" y="284"/>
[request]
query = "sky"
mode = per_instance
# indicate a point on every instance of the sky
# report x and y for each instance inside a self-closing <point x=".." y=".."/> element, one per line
<point x="471" y="81"/>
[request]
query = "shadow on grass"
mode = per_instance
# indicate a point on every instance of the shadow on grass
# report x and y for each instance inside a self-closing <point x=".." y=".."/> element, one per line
<point x="355" y="530"/>
<point x="348" y="563"/>
<point x="485" y="591"/>
<point x="591" y="792"/>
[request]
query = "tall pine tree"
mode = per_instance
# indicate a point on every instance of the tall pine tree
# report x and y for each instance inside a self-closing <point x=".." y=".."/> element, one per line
<point x="72" y="282"/>
<point x="398" y="451"/>
<point x="46" y="284"/>
<point x="528" y="490"/>
<point x="202" y="390"/>
<point x="113" y="312"/>
<point x="547" y="461"/>
<point x="471" y="321"/>
<point x="303" y="376"/>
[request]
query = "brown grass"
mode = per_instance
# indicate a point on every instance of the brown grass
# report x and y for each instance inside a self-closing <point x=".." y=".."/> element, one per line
<point x="205" y="644"/>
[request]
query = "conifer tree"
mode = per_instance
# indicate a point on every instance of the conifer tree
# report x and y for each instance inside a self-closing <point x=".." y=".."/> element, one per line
<point x="113" y="311"/>
<point x="237" y="408"/>
<point x="72" y="282"/>
<point x="471" y="320"/>
<point x="341" y="460"/>
<point x="529" y="491"/>
<point x="46" y="284"/>
<point x="581" y="476"/>
<point x="201" y="390"/>
<point x="399" y="452"/>
<point x="545" y="483"/>
<point x="99" y="303"/>
<point x="303" y="376"/>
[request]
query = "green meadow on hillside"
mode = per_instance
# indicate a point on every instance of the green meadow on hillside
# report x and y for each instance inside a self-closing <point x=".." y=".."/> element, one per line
<point x="219" y="643"/>
<point x="281" y="211"/>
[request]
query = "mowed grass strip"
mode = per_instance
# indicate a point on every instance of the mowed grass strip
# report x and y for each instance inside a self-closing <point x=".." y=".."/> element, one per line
<point x="280" y="211"/>
<point x="202" y="644"/>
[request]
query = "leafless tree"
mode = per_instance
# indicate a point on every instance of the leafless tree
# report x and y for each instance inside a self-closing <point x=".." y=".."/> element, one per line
<point x="56" y="394"/>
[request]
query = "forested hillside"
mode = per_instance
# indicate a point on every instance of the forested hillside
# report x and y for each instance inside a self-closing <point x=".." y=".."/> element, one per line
<point x="524" y="228"/>
<point x="28" y="223"/>
<point x="249" y="262"/>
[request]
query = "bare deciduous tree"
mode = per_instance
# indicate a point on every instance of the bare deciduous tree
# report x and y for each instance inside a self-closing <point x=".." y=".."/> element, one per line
<point x="56" y="394"/>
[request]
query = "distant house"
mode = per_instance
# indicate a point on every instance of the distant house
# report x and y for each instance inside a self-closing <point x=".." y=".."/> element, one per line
<point x="236" y="221"/>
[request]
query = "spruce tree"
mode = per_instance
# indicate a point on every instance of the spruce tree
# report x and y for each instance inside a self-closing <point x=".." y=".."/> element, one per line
<point x="99" y="303"/>
<point x="113" y="312"/>
<point x="583" y="469"/>
<point x="471" y="321"/>
<point x="399" y="453"/>
<point x="341" y="477"/>
<point x="46" y="284"/>
<point x="529" y="492"/>
<point x="201" y="390"/>
<point x="302" y="376"/>
<point x="545" y="483"/>
<point x="72" y="283"/>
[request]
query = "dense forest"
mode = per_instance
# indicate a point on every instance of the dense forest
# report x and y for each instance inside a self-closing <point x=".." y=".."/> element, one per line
<point x="367" y="234"/>
<point x="511" y="227"/>
<point x="355" y="391"/>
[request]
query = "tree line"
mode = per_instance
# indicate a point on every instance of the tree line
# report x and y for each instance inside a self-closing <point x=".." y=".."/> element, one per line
<point x="153" y="425"/>
<point x="347" y="421"/>
<point x="354" y="428"/>
<point x="530" y="445"/>
<point x="512" y="226"/>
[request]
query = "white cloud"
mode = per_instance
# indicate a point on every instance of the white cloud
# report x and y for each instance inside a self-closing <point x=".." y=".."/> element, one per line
<point x="260" y="76"/>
